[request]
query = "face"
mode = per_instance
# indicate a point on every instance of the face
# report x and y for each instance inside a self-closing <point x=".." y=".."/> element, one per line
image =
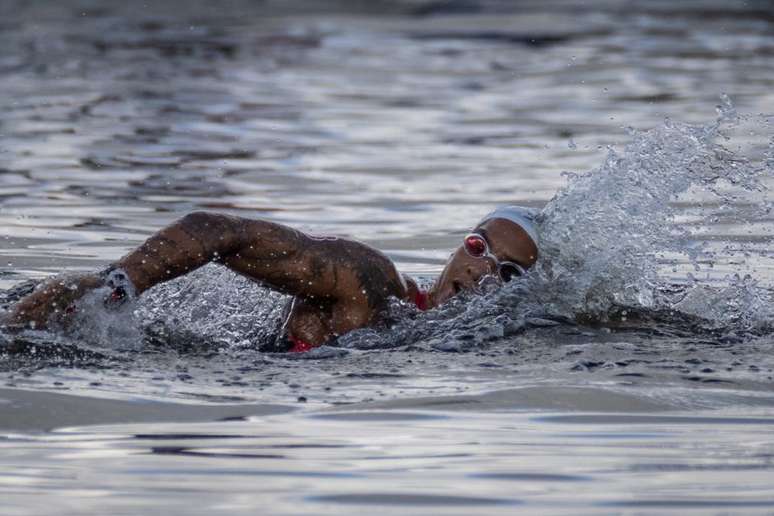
<point x="507" y="242"/>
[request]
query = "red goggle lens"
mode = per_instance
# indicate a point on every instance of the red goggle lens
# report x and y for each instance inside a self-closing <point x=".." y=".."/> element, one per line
<point x="475" y="246"/>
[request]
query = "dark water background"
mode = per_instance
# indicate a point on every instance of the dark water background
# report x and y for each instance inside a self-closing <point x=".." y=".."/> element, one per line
<point x="631" y="374"/>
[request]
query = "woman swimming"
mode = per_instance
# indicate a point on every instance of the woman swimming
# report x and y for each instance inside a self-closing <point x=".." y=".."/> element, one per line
<point x="338" y="285"/>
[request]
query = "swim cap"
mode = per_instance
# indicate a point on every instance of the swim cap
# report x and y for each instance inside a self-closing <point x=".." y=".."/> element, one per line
<point x="524" y="217"/>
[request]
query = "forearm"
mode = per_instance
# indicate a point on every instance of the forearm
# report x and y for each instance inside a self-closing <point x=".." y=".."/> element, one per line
<point x="188" y="243"/>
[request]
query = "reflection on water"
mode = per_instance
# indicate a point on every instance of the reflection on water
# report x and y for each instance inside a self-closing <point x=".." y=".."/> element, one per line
<point x="461" y="463"/>
<point x="398" y="123"/>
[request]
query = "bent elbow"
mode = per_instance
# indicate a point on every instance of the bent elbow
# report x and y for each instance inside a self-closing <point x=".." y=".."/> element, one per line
<point x="199" y="219"/>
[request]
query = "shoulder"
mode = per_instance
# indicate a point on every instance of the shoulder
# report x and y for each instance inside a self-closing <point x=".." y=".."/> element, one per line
<point x="363" y="273"/>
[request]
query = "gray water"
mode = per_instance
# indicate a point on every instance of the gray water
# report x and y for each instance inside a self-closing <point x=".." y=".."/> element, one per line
<point x="629" y="373"/>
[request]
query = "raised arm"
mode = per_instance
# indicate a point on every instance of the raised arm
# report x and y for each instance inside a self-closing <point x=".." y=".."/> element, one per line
<point x="200" y="238"/>
<point x="278" y="256"/>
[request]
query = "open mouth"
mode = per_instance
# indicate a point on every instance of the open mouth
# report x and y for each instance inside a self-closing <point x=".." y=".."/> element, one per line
<point x="456" y="287"/>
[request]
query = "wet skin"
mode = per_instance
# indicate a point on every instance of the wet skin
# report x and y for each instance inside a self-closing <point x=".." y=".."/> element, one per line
<point x="338" y="285"/>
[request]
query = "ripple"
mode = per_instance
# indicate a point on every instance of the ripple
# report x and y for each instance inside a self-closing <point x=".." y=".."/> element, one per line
<point x="412" y="500"/>
<point x="688" y="504"/>
<point x="378" y="416"/>
<point x="532" y="477"/>
<point x="614" y="419"/>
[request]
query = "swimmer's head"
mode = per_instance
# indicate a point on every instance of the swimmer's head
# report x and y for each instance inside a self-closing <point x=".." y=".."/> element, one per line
<point x="504" y="244"/>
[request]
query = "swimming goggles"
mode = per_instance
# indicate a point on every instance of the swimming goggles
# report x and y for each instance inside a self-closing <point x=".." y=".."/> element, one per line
<point x="477" y="247"/>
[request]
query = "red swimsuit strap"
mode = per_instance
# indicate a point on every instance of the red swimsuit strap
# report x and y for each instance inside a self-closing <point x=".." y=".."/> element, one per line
<point x="421" y="300"/>
<point x="299" y="346"/>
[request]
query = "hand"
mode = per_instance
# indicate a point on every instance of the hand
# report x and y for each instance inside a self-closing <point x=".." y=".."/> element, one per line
<point x="52" y="300"/>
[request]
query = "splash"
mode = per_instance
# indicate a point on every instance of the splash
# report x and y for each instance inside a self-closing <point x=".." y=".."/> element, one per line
<point x="608" y="235"/>
<point x="211" y="308"/>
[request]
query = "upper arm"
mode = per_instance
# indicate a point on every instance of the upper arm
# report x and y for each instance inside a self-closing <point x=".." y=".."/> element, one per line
<point x="273" y="254"/>
<point x="334" y="269"/>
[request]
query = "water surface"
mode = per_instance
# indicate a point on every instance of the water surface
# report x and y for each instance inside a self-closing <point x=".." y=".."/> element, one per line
<point x="631" y="373"/>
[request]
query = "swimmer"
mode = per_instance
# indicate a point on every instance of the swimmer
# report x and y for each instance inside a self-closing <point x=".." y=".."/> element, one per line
<point x="338" y="285"/>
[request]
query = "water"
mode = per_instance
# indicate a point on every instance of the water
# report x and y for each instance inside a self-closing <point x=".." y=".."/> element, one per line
<point x="399" y="460"/>
<point x="631" y="372"/>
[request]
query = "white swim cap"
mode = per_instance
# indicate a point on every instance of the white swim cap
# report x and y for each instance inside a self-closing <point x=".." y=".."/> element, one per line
<point x="524" y="217"/>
